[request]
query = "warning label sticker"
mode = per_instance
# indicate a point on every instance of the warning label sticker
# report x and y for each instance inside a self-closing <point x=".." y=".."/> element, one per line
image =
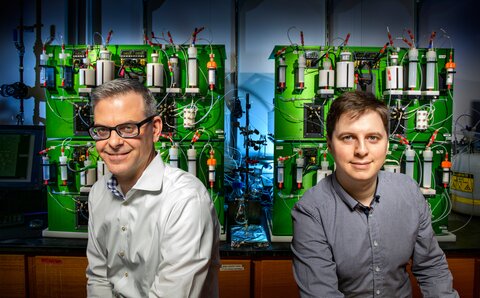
<point x="462" y="182"/>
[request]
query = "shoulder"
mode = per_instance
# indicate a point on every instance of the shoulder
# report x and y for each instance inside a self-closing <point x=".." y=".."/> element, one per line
<point x="398" y="182"/>
<point x="402" y="186"/>
<point x="317" y="200"/>
<point x="97" y="191"/>
<point x="186" y="200"/>
<point x="181" y="184"/>
<point x="319" y="194"/>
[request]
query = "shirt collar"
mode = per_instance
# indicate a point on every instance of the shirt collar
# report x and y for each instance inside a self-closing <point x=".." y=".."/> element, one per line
<point x="150" y="180"/>
<point x="351" y="202"/>
<point x="152" y="177"/>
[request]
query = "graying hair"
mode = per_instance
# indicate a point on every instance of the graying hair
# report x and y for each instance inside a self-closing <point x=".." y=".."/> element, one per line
<point x="124" y="86"/>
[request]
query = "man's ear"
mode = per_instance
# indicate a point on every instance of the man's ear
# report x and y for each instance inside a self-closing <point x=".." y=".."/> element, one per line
<point x="329" y="144"/>
<point x="157" y="128"/>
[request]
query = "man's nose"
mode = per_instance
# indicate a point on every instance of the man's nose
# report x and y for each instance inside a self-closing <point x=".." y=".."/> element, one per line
<point x="115" y="140"/>
<point x="361" y="147"/>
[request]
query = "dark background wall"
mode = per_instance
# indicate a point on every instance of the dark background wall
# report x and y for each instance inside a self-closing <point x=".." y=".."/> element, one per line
<point x="249" y="29"/>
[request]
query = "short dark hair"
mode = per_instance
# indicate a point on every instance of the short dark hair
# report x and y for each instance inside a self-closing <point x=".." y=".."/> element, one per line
<point x="355" y="103"/>
<point x="124" y="86"/>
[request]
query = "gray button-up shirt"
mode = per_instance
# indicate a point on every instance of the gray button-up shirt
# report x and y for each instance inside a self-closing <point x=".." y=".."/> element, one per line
<point x="342" y="248"/>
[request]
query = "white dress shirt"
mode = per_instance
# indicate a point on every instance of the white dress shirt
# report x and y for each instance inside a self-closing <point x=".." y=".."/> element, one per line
<point x="160" y="240"/>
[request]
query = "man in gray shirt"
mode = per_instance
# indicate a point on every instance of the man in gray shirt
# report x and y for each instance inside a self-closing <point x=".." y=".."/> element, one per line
<point x="356" y="231"/>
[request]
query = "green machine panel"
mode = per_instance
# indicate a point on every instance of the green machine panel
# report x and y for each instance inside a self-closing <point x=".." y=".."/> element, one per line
<point x="416" y="85"/>
<point x="68" y="190"/>
<point x="295" y="180"/>
<point x="72" y="167"/>
<point x="68" y="111"/>
<point x="188" y="84"/>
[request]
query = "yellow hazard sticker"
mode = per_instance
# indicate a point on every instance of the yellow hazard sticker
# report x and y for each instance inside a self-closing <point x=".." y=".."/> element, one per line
<point x="462" y="182"/>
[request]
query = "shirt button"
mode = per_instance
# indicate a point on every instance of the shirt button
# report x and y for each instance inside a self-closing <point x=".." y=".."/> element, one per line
<point x="377" y="268"/>
<point x="124" y="228"/>
<point x="375" y="243"/>
<point x="378" y="292"/>
<point x="121" y="253"/>
<point x="126" y="274"/>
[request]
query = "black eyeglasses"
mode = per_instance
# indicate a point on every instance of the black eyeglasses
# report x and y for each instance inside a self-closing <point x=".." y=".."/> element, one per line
<point x="124" y="130"/>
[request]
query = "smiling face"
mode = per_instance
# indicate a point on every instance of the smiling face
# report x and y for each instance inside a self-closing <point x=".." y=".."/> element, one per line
<point x="126" y="158"/>
<point x="359" y="146"/>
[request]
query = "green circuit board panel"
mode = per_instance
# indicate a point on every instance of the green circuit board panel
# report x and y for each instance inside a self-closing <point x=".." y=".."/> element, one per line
<point x="188" y="84"/>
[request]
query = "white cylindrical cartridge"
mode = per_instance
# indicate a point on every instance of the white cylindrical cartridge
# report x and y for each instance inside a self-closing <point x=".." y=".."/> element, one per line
<point x="192" y="66"/>
<point x="155" y="72"/>
<point x="105" y="71"/>
<point x="211" y="174"/>
<point x="445" y="176"/>
<point x="83" y="176"/>
<point x="105" y="68"/>
<point x="63" y="169"/>
<point x="345" y="71"/>
<point x="412" y="68"/>
<point x="302" y="63"/>
<point x="280" y="172"/>
<point x="410" y="162"/>
<point x="86" y="77"/>
<point x="211" y="163"/>
<point x="282" y="68"/>
<point x="326" y="76"/>
<point x="431" y="57"/>
<point x="89" y="175"/>
<point x="392" y="168"/>
<point x="446" y="166"/>
<point x="44" y="58"/>
<point x="102" y="169"/>
<point x="394" y="77"/>
<point x="175" y="69"/>
<point x="45" y="169"/>
<point x="192" y="161"/>
<point x="427" y="168"/>
<point x="63" y="56"/>
<point x="450" y="67"/>
<point x="300" y="162"/>
<point x="173" y="153"/>
<point x="323" y="172"/>
<point x="212" y="72"/>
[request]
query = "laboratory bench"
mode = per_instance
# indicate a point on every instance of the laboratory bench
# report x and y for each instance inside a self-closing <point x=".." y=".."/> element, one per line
<point x="35" y="266"/>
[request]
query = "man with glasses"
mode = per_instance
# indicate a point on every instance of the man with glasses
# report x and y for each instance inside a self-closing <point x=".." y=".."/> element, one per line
<point x="152" y="230"/>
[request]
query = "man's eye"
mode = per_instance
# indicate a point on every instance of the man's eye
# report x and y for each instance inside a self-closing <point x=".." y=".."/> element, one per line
<point x="101" y="130"/>
<point x="373" y="138"/>
<point x="347" y="138"/>
<point x="127" y="128"/>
